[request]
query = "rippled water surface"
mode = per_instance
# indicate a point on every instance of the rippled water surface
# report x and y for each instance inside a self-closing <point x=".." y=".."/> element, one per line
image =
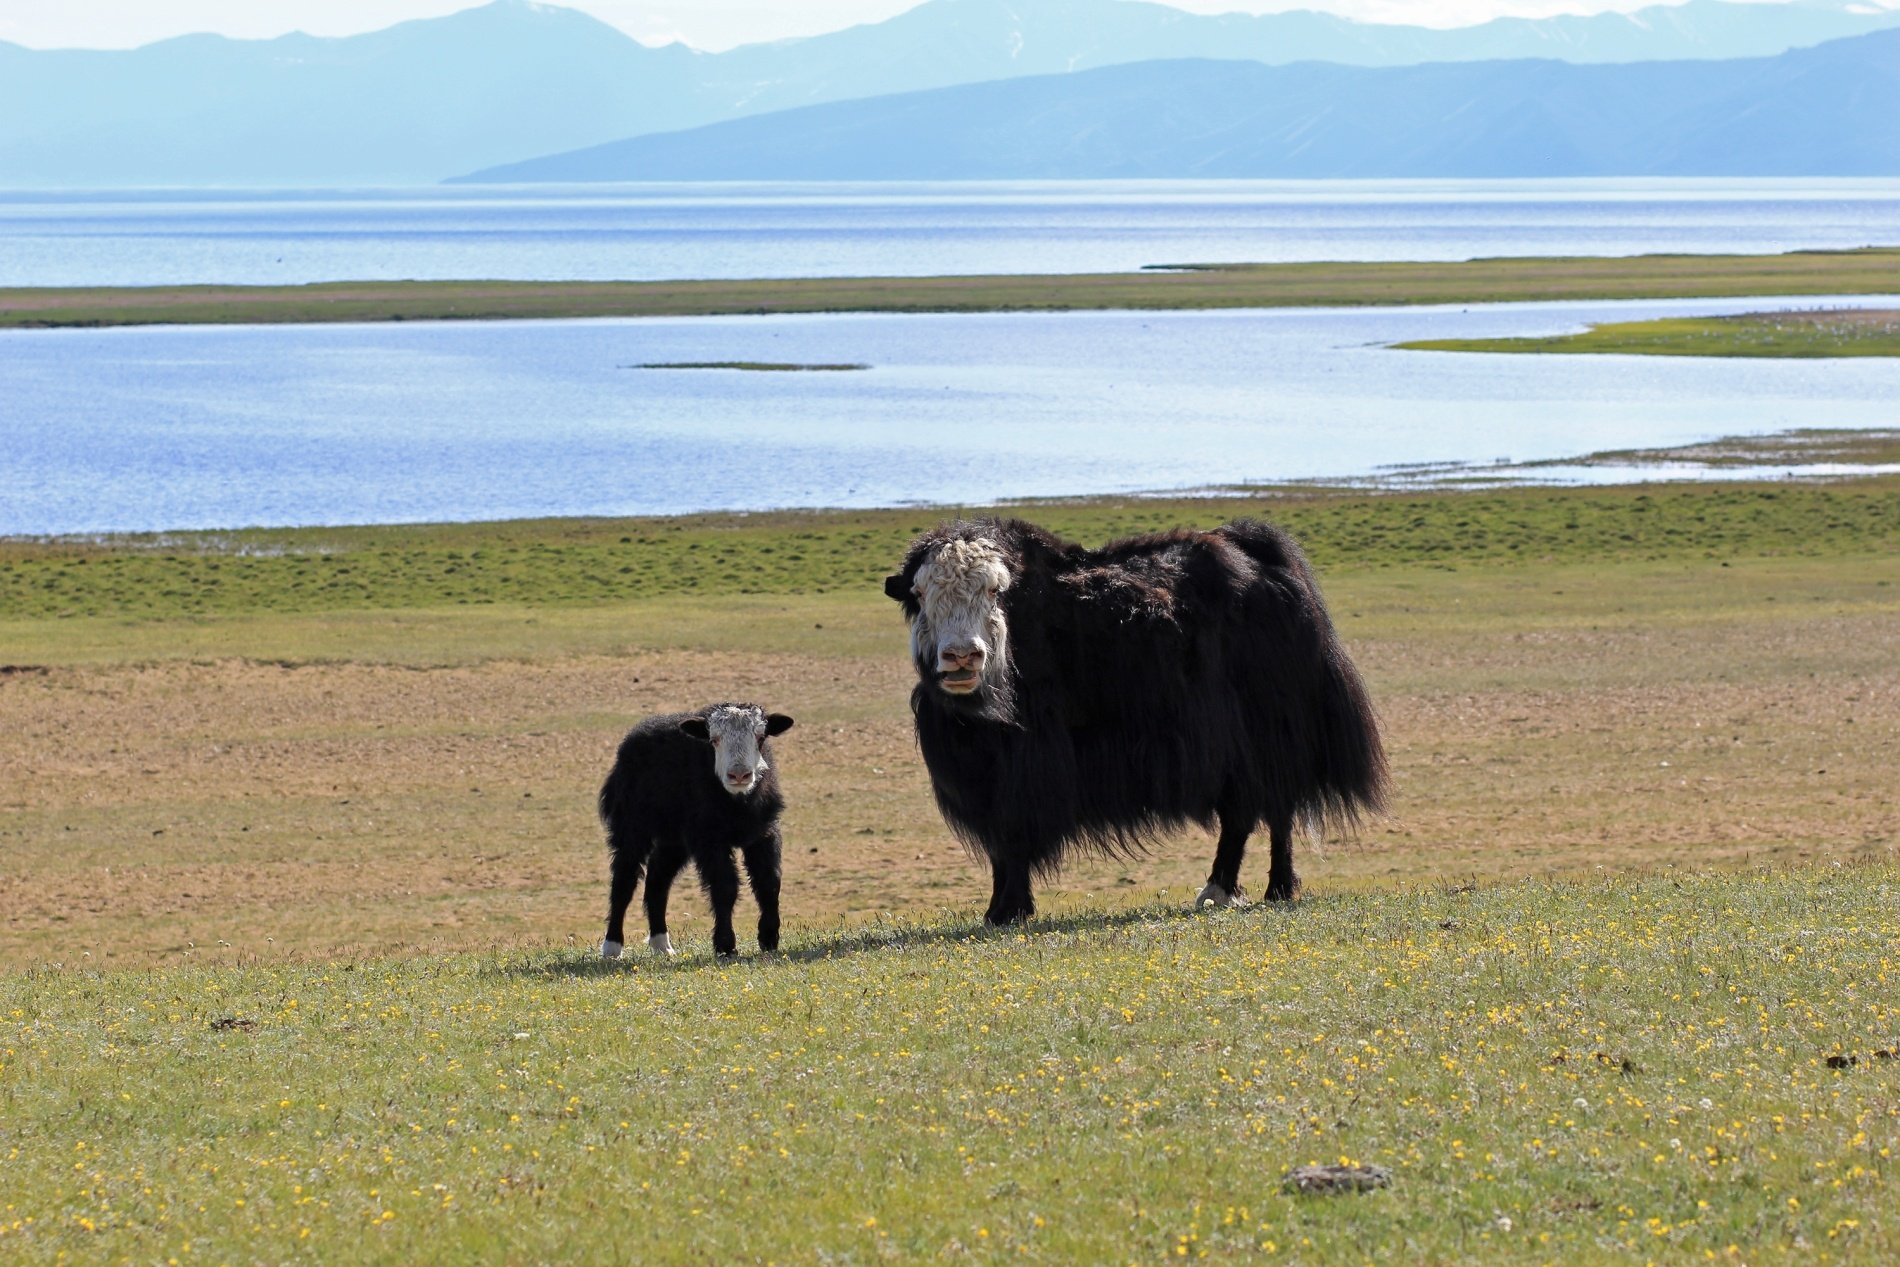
<point x="180" y="427"/>
<point x="677" y="231"/>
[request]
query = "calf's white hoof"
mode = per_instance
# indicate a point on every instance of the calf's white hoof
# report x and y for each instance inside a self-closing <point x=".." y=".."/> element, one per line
<point x="610" y="949"/>
<point x="660" y="944"/>
<point x="1215" y="895"/>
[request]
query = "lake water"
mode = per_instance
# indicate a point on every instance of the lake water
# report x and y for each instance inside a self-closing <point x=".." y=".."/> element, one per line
<point x="156" y="428"/>
<point x="781" y="230"/>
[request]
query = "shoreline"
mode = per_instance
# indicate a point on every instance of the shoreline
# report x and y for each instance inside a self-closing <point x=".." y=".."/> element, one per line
<point x="1862" y="271"/>
<point x="1799" y="456"/>
<point x="1811" y="334"/>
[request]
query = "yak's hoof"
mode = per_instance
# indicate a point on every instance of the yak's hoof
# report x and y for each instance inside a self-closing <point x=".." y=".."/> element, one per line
<point x="660" y="944"/>
<point x="610" y="949"/>
<point x="1215" y="895"/>
<point x="1281" y="892"/>
<point x="1005" y="919"/>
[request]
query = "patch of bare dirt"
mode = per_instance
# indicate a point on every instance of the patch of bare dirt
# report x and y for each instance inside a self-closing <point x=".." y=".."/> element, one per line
<point x="244" y="809"/>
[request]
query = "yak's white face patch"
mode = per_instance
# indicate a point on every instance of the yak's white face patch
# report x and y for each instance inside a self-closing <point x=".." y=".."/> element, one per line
<point x="736" y="734"/>
<point x="959" y="635"/>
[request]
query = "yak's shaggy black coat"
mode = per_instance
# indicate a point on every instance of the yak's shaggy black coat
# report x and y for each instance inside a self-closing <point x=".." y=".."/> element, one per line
<point x="1157" y="681"/>
<point x="662" y="806"/>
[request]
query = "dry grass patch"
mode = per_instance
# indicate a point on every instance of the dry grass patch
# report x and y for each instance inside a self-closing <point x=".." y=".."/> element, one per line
<point x="1542" y="721"/>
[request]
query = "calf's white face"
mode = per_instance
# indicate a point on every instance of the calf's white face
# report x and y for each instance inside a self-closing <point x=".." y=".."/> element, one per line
<point x="735" y="733"/>
<point x="959" y="635"/>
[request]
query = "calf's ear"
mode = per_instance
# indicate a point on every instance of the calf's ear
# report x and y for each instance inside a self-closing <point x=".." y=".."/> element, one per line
<point x="777" y="723"/>
<point x="696" y="727"/>
<point x="895" y="586"/>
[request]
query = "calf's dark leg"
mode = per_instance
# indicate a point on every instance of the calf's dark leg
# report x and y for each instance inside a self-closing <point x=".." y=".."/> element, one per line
<point x="628" y="846"/>
<point x="1010" y="898"/>
<point x="627" y="864"/>
<point x="720" y="875"/>
<point x="1282" y="884"/>
<point x="661" y="870"/>
<point x="1223" y="882"/>
<point x="762" y="869"/>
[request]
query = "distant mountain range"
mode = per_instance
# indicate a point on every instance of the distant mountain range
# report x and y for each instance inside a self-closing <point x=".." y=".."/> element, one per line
<point x="408" y="104"/>
<point x="1833" y="110"/>
<point x="429" y="99"/>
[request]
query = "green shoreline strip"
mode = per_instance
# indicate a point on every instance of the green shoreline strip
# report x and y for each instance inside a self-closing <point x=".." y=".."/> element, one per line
<point x="1874" y="270"/>
<point x="1757" y="334"/>
<point x="612" y="562"/>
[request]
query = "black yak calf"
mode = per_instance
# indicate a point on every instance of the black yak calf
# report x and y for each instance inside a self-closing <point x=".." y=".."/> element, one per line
<point x="1098" y="698"/>
<point x="695" y="786"/>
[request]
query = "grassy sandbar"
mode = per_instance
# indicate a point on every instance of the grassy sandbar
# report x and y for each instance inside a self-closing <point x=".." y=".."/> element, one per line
<point x="1856" y="272"/>
<point x="755" y="367"/>
<point x="1825" y="333"/>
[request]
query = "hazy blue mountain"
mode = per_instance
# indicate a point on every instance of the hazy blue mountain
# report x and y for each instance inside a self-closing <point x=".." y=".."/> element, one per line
<point x="428" y="99"/>
<point x="415" y="102"/>
<point x="1697" y="29"/>
<point x="1831" y="110"/>
<point x="946" y="42"/>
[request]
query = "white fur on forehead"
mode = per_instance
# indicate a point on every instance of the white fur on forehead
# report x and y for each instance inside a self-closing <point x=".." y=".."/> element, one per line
<point x="961" y="569"/>
<point x="735" y="720"/>
<point x="957" y="606"/>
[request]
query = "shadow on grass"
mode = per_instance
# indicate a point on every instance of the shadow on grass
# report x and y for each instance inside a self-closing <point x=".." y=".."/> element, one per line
<point x="887" y="936"/>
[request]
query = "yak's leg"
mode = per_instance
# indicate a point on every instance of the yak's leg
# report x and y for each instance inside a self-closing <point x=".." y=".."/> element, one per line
<point x="1282" y="884"/>
<point x="762" y="869"/>
<point x="720" y="875"/>
<point x="629" y="859"/>
<point x="1223" y="883"/>
<point x="1010" y="898"/>
<point x="661" y="871"/>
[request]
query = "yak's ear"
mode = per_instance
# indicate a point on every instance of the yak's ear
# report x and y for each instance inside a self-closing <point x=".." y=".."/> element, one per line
<point x="696" y="727"/>
<point x="897" y="587"/>
<point x="777" y="723"/>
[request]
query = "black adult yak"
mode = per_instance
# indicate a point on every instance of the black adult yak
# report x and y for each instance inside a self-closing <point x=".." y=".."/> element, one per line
<point x="694" y="787"/>
<point x="1102" y="697"/>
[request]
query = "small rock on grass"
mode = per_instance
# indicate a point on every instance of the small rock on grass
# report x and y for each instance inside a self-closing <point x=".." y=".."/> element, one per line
<point x="1337" y="1178"/>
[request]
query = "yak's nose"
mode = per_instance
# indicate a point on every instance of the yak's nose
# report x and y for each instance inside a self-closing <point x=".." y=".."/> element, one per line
<point x="961" y="658"/>
<point x="739" y="776"/>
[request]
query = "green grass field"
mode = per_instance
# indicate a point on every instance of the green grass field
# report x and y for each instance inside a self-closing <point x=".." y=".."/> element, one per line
<point x="1665" y="1069"/>
<point x="1841" y="332"/>
<point x="584" y="562"/>
<point x="302" y="888"/>
<point x="1859" y="272"/>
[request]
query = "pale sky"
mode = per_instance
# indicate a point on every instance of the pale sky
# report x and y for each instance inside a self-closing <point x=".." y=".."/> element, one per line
<point x="707" y="24"/>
